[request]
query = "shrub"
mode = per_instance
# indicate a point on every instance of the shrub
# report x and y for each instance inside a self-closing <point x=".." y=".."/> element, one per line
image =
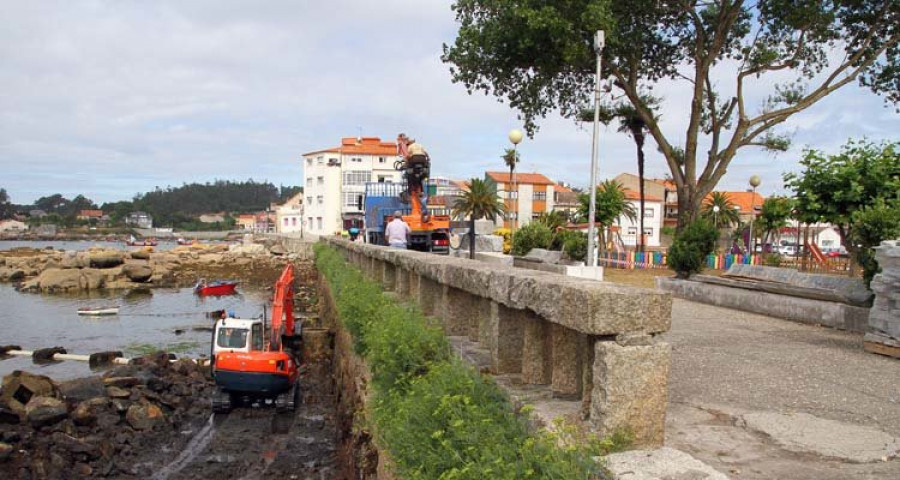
<point x="772" y="259"/>
<point x="575" y="245"/>
<point x="690" y="248"/>
<point x="438" y="417"/>
<point x="533" y="235"/>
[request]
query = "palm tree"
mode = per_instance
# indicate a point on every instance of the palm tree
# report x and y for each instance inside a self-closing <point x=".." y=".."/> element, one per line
<point x="479" y="201"/>
<point x="511" y="158"/>
<point x="610" y="205"/>
<point x="728" y="213"/>
<point x="632" y="123"/>
<point x="773" y="216"/>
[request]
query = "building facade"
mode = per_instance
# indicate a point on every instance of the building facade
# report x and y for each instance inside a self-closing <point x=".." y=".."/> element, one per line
<point x="289" y="216"/>
<point x="335" y="182"/>
<point x="653" y="220"/>
<point x="139" y="220"/>
<point x="530" y="195"/>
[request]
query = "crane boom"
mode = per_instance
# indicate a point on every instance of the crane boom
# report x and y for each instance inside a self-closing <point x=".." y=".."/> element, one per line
<point x="283" y="308"/>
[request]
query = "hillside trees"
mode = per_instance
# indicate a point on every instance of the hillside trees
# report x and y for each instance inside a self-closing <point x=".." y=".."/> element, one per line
<point x="538" y="56"/>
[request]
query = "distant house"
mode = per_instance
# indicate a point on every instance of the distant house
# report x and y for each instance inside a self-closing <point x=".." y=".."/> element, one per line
<point x="289" y="217"/>
<point x="10" y="226"/>
<point x="565" y="200"/>
<point x="89" y="214"/>
<point x="46" y="230"/>
<point x="212" y="218"/>
<point x="37" y="213"/>
<point x="246" y="221"/>
<point x="139" y="220"/>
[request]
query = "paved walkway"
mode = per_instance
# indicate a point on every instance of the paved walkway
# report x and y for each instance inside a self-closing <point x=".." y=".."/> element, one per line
<point x="763" y="398"/>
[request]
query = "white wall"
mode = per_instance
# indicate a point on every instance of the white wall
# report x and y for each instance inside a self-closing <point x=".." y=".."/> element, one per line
<point x="652" y="222"/>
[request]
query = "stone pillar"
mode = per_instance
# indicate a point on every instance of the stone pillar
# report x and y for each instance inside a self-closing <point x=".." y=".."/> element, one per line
<point x="536" y="350"/>
<point x="378" y="271"/>
<point x="587" y="375"/>
<point x="883" y="336"/>
<point x="389" y="277"/>
<point x="631" y="389"/>
<point x="460" y="309"/>
<point x="506" y="347"/>
<point x="486" y="324"/>
<point x="402" y="281"/>
<point x="430" y="296"/>
<point x="567" y="347"/>
<point x="413" y="283"/>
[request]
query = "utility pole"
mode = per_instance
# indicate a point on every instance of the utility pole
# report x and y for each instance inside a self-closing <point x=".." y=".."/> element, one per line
<point x="599" y="41"/>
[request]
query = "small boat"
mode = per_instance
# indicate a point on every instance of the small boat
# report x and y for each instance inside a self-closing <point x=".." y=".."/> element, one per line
<point x="98" y="311"/>
<point x="215" y="288"/>
<point x="147" y="242"/>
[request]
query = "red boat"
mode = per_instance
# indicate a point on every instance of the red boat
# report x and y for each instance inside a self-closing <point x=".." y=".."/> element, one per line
<point x="215" y="288"/>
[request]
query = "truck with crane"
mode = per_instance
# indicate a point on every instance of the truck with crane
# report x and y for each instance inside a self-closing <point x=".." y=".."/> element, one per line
<point x="429" y="232"/>
<point x="255" y="362"/>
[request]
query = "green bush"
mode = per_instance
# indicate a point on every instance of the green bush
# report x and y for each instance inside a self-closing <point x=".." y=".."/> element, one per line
<point x="533" y="235"/>
<point x="772" y="259"/>
<point x="438" y="417"/>
<point x="575" y="245"/>
<point x="688" y="252"/>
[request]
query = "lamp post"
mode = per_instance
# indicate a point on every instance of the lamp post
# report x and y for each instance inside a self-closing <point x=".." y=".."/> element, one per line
<point x="515" y="137"/>
<point x="716" y="215"/>
<point x="754" y="182"/>
<point x="599" y="41"/>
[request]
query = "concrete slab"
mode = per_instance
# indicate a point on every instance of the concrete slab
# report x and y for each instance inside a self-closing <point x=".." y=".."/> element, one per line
<point x="662" y="464"/>
<point x="805" y="433"/>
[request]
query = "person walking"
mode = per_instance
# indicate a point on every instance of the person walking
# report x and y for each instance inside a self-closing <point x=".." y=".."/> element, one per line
<point x="397" y="231"/>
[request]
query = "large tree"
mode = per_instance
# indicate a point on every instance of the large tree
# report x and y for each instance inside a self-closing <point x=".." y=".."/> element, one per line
<point x="537" y="55"/>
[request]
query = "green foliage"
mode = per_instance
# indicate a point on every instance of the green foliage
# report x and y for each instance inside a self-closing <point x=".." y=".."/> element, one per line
<point x="726" y="216"/>
<point x="610" y="204"/>
<point x="873" y="224"/>
<point x="691" y="247"/>
<point x="773" y="216"/>
<point x="6" y="207"/>
<point x="190" y="200"/>
<point x="537" y="56"/>
<point x="667" y="230"/>
<point x="533" y="235"/>
<point x="437" y="417"/>
<point x="772" y="259"/>
<point x="857" y="189"/>
<point x="575" y="244"/>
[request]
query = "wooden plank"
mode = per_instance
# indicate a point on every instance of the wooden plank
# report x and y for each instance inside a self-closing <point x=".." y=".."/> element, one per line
<point x="882" y="349"/>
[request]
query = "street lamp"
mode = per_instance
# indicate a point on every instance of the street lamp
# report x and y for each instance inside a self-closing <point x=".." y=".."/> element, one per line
<point x="515" y="137"/>
<point x="754" y="182"/>
<point x="599" y="41"/>
<point x="716" y="215"/>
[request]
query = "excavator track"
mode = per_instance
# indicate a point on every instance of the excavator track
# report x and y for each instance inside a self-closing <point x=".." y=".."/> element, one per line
<point x="221" y="402"/>
<point x="288" y="401"/>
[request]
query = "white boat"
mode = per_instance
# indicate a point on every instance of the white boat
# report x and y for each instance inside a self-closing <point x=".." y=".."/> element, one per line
<point x="96" y="311"/>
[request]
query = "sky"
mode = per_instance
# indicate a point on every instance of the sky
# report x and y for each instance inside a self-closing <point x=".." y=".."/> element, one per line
<point x="113" y="98"/>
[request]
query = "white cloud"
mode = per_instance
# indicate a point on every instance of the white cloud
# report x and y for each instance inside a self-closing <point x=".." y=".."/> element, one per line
<point x="112" y="98"/>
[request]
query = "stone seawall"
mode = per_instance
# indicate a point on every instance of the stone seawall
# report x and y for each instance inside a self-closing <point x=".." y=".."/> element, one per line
<point x="593" y="342"/>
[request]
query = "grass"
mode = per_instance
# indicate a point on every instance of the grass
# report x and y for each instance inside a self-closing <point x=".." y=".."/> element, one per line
<point x="437" y="417"/>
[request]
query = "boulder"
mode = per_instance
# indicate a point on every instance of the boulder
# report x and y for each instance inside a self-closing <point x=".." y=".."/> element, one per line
<point x="11" y="275"/>
<point x="43" y="411"/>
<point x="141" y="254"/>
<point x="137" y="273"/>
<point x="116" y="392"/>
<point x="62" y="280"/>
<point x="144" y="415"/>
<point x="8" y="416"/>
<point x="79" y="390"/>
<point x="106" y="259"/>
<point x="277" y="249"/>
<point x="121" y="382"/>
<point x="85" y="414"/>
<point x="20" y="387"/>
<point x="71" y="260"/>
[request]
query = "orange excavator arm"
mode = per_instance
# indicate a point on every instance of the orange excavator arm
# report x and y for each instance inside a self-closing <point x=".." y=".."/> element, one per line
<point x="283" y="308"/>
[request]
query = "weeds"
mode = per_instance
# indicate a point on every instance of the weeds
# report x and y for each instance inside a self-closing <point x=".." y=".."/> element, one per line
<point x="438" y="417"/>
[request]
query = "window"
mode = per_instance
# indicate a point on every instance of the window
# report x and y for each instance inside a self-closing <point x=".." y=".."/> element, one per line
<point x="320" y="181"/>
<point x="258" y="339"/>
<point x="512" y="216"/>
<point x="351" y="199"/>
<point x="309" y="223"/>
<point x="232" y="338"/>
<point x="540" y="195"/>
<point x="356" y="159"/>
<point x="293" y="221"/>
<point x="309" y="162"/>
<point x="648" y="231"/>
<point x="631" y="231"/>
<point x="381" y="159"/>
<point x="320" y="160"/>
<point x="509" y="194"/>
<point x="309" y="181"/>
<point x="319" y="221"/>
<point x="357" y="177"/>
<point x="285" y="221"/>
<point x="309" y="201"/>
<point x="648" y="213"/>
<point x="320" y="199"/>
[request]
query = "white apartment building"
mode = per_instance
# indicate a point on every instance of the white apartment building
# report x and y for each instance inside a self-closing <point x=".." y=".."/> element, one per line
<point x="653" y="220"/>
<point x="335" y="181"/>
<point x="289" y="216"/>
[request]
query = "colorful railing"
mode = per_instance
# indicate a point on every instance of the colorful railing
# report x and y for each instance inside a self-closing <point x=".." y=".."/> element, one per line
<point x="651" y="260"/>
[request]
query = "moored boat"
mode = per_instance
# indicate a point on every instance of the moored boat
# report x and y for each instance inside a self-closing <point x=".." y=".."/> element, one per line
<point x="216" y="288"/>
<point x="98" y="311"/>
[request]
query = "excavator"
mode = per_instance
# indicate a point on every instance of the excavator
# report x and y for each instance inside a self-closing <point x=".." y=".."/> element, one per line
<point x="429" y="233"/>
<point x="255" y="363"/>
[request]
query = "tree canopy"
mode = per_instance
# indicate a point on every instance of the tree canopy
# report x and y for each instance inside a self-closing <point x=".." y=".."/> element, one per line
<point x="538" y="56"/>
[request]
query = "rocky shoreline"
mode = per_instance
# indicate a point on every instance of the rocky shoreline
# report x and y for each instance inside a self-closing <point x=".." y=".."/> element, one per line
<point x="100" y="426"/>
<point x="58" y="271"/>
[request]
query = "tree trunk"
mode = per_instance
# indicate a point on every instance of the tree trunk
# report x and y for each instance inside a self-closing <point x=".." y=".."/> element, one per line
<point x="688" y="206"/>
<point x="472" y="237"/>
<point x="639" y="141"/>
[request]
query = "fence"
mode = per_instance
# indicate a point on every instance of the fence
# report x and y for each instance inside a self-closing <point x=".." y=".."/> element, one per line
<point x="657" y="260"/>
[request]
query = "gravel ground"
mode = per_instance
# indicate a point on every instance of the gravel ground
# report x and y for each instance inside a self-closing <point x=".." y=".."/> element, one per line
<point x="727" y="363"/>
